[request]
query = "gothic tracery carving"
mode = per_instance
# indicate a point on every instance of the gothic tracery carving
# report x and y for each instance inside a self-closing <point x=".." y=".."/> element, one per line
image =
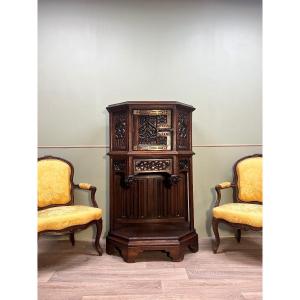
<point x="183" y="164"/>
<point x="120" y="125"/>
<point x="182" y="134"/>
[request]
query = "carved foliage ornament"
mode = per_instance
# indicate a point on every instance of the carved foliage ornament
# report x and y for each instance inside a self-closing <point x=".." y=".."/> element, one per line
<point x="119" y="127"/>
<point x="152" y="165"/>
<point x="184" y="164"/>
<point x="119" y="165"/>
<point x="148" y="130"/>
<point x="182" y="127"/>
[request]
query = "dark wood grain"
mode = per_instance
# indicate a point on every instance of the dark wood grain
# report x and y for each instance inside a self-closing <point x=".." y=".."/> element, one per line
<point x="151" y="189"/>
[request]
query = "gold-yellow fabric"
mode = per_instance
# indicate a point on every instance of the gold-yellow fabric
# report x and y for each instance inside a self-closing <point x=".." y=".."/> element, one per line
<point x="61" y="217"/>
<point x="54" y="185"/>
<point x="241" y="213"/>
<point x="85" y="186"/>
<point x="225" y="184"/>
<point x="250" y="179"/>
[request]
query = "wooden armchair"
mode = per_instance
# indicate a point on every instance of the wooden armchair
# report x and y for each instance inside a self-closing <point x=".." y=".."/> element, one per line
<point x="246" y="210"/>
<point x="56" y="209"/>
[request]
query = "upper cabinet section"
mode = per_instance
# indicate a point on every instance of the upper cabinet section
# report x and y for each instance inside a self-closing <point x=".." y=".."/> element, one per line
<point x="150" y="126"/>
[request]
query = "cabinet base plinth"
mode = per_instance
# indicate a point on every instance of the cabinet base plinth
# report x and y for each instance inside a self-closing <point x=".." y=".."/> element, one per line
<point x="129" y="247"/>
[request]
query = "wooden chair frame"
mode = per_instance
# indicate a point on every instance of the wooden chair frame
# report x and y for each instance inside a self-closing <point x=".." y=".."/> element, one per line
<point x="71" y="230"/>
<point x="235" y="188"/>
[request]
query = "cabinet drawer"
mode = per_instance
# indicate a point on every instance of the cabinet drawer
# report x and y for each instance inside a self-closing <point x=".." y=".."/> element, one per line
<point x="153" y="165"/>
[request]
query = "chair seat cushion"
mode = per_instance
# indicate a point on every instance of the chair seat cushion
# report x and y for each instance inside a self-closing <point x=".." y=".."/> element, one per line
<point x="61" y="217"/>
<point x="241" y="213"/>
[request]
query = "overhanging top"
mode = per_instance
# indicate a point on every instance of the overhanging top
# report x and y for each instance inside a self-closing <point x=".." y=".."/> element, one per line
<point x="148" y="102"/>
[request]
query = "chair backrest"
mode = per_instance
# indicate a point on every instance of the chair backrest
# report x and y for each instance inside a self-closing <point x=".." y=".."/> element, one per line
<point x="248" y="179"/>
<point x="55" y="181"/>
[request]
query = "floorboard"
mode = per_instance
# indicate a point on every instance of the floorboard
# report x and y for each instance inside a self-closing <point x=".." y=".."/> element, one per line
<point x="66" y="272"/>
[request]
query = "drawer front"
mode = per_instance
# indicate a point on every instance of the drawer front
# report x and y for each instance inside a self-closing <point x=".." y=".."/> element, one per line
<point x="153" y="165"/>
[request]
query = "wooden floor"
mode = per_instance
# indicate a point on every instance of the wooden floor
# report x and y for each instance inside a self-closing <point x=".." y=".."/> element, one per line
<point x="66" y="272"/>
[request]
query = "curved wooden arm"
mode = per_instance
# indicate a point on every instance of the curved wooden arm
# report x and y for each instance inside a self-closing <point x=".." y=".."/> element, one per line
<point x="88" y="187"/>
<point x="222" y="186"/>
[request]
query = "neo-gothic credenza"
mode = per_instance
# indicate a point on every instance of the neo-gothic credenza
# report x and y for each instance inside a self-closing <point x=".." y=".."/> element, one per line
<point x="151" y="179"/>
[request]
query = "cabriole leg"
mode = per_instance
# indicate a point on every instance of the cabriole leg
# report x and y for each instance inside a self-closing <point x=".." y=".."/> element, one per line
<point x="215" y="226"/>
<point x="98" y="235"/>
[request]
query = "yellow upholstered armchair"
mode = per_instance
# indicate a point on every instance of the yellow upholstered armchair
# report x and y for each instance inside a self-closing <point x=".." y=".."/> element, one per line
<point x="56" y="209"/>
<point x="246" y="210"/>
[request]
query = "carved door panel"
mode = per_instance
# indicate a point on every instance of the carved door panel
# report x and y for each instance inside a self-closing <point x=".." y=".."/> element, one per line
<point x="152" y="129"/>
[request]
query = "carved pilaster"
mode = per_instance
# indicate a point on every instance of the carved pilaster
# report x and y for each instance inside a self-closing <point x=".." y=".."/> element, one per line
<point x="183" y="130"/>
<point x="120" y="141"/>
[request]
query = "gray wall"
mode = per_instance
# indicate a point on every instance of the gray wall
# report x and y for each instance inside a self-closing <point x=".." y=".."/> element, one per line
<point x="204" y="53"/>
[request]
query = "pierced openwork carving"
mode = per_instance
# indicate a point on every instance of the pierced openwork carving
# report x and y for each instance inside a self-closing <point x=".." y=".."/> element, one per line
<point x="182" y="131"/>
<point x="148" y="131"/>
<point x="119" y="165"/>
<point x="184" y="164"/>
<point x="156" y="165"/>
<point x="120" y="124"/>
<point x="153" y="129"/>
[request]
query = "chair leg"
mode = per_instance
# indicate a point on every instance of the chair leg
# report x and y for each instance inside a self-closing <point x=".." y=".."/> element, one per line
<point x="98" y="234"/>
<point x="215" y="224"/>
<point x="238" y="235"/>
<point x="72" y="238"/>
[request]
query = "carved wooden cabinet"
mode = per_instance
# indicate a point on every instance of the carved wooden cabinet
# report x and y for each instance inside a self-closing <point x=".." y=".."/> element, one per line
<point x="151" y="179"/>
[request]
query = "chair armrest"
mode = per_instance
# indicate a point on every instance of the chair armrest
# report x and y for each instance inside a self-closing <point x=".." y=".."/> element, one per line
<point x="88" y="187"/>
<point x="222" y="186"/>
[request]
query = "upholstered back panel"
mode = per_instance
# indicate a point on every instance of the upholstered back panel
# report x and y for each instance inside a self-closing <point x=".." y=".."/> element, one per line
<point x="54" y="182"/>
<point x="249" y="179"/>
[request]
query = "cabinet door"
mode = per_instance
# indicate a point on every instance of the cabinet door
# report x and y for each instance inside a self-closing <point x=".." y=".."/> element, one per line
<point x="152" y="129"/>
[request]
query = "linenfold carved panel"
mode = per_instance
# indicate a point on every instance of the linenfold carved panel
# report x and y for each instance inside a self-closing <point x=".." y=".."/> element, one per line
<point x="161" y="203"/>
